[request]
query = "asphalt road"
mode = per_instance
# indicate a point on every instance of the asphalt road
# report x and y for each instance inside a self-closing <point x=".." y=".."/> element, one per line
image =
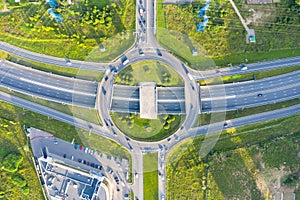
<point x="51" y="59"/>
<point x="251" y="93"/>
<point x="259" y="66"/>
<point x="47" y="86"/>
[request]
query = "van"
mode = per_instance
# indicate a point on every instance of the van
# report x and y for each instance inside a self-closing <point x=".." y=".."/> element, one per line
<point x="124" y="60"/>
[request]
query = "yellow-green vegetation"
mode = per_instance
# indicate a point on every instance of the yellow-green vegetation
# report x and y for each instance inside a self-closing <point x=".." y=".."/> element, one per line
<point x="87" y="114"/>
<point x="224" y="38"/>
<point x="149" y="71"/>
<point x="246" y="163"/>
<point x="150" y="176"/>
<point x="64" y="71"/>
<point x="204" y="118"/>
<point x="87" y="25"/>
<point x="147" y="129"/>
<point x="17" y="173"/>
<point x="249" y="76"/>
<point x="3" y="55"/>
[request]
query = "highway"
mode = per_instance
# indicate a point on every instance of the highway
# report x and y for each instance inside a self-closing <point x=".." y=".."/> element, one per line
<point x="253" y="67"/>
<point x="250" y="93"/>
<point x="47" y="86"/>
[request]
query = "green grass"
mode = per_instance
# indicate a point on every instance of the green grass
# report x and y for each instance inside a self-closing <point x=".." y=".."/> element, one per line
<point x="29" y="26"/>
<point x="249" y="76"/>
<point x="87" y="114"/>
<point x="180" y="45"/>
<point x="224" y="36"/>
<point x="235" y="163"/>
<point x="146" y="129"/>
<point x="13" y="141"/>
<point x="64" y="71"/>
<point x="149" y="71"/>
<point x="239" y="58"/>
<point x="150" y="176"/>
<point x="114" y="47"/>
<point x="160" y="15"/>
<point x="206" y="118"/>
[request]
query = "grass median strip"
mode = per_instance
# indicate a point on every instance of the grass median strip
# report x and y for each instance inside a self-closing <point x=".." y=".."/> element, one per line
<point x="150" y="176"/>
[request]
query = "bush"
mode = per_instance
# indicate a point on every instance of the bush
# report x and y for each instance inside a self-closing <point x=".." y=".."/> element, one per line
<point x="12" y="162"/>
<point x="25" y="190"/>
<point x="18" y="180"/>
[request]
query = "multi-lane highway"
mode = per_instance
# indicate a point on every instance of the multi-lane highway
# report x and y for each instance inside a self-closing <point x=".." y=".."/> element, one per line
<point x="47" y="86"/>
<point x="253" y="67"/>
<point x="250" y="93"/>
<point x="214" y="98"/>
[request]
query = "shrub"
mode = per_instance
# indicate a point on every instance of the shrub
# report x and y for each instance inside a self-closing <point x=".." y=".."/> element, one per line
<point x="12" y="162"/>
<point x="25" y="190"/>
<point x="18" y="180"/>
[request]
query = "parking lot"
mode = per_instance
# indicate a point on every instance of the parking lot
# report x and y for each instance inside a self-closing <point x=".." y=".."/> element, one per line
<point x="82" y="158"/>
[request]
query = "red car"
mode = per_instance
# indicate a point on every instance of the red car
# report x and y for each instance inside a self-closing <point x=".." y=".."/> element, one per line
<point x="80" y="147"/>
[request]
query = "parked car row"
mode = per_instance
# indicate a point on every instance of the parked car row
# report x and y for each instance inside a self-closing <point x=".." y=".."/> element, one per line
<point x="96" y="166"/>
<point x="86" y="150"/>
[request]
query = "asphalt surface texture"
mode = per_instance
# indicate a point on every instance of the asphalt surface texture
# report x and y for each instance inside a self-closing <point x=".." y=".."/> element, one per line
<point x="47" y="85"/>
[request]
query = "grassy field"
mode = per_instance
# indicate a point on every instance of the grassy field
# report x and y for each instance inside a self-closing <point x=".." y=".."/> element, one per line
<point x="149" y="71"/>
<point x="206" y="118"/>
<point x="224" y="38"/>
<point x="22" y="183"/>
<point x="147" y="129"/>
<point x="246" y="163"/>
<point x="150" y="176"/>
<point x="62" y="130"/>
<point x="87" y="114"/>
<point x="249" y="76"/>
<point x="64" y="71"/>
<point x="87" y="26"/>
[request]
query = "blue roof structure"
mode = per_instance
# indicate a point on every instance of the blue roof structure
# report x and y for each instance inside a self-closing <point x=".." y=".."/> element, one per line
<point x="53" y="3"/>
<point x="202" y="11"/>
<point x="57" y="17"/>
<point x="201" y="26"/>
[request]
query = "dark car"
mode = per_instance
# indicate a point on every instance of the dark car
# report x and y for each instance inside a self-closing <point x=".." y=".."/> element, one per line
<point x="259" y="95"/>
<point x="84" y="162"/>
<point x="79" y="160"/>
<point x="103" y="90"/>
<point x="105" y="78"/>
<point x="92" y="165"/>
<point x="65" y="155"/>
<point x="158" y="52"/>
<point x="141" y="52"/>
